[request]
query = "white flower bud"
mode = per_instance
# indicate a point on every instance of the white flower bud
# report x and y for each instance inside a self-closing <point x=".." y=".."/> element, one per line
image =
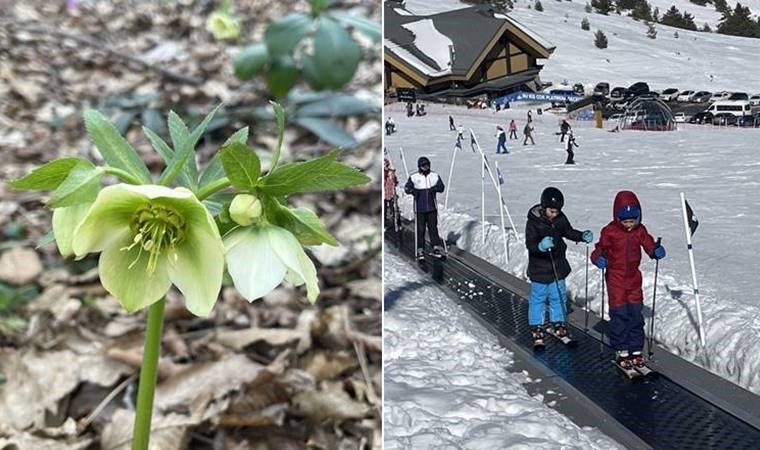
<point x="245" y="209"/>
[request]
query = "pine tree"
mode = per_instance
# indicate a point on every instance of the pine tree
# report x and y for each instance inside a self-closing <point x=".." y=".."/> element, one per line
<point x="739" y="23"/>
<point x="642" y="11"/>
<point x="588" y="8"/>
<point x="675" y="34"/>
<point x="652" y="31"/>
<point x="585" y="25"/>
<point x="500" y="6"/>
<point x="602" y="6"/>
<point x="707" y="28"/>
<point x="538" y="6"/>
<point x="721" y="6"/>
<point x="600" y="40"/>
<point x="656" y="14"/>
<point x="699" y="2"/>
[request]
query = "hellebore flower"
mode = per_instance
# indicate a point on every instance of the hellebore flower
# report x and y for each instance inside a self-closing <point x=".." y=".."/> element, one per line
<point x="150" y="237"/>
<point x="245" y="209"/>
<point x="259" y="257"/>
<point x="65" y="221"/>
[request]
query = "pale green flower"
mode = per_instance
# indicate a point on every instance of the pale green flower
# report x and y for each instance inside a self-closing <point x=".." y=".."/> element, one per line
<point x="260" y="257"/>
<point x="245" y="209"/>
<point x="150" y="237"/>
<point x="223" y="26"/>
<point x="65" y="221"/>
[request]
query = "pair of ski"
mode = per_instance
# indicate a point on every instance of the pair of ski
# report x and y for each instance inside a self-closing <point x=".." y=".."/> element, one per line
<point x="634" y="371"/>
<point x="539" y="344"/>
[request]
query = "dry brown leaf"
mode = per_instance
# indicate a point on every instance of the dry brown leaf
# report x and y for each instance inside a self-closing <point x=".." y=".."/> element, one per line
<point x="239" y="339"/>
<point x="325" y="366"/>
<point x="22" y="440"/>
<point x="167" y="432"/>
<point x="20" y="265"/>
<point x="370" y="288"/>
<point x="329" y="402"/>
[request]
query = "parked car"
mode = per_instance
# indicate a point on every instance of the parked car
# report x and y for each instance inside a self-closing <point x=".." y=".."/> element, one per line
<point x="635" y="90"/>
<point x="724" y="119"/>
<point x="700" y="97"/>
<point x="755" y="100"/>
<point x="669" y="94"/>
<point x="617" y="93"/>
<point x="701" y="118"/>
<point x="738" y="96"/>
<point x="602" y="89"/>
<point x="733" y="107"/>
<point x="681" y="117"/>
<point x="579" y="89"/>
<point x="720" y="96"/>
<point x="684" y="96"/>
<point x="746" y="121"/>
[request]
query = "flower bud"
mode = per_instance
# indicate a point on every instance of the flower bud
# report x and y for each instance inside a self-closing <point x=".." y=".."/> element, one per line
<point x="245" y="209"/>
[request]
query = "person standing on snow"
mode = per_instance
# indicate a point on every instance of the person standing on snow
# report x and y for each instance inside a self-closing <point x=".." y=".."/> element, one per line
<point x="460" y="133"/>
<point x="502" y="140"/>
<point x="390" y="126"/>
<point x="528" y="132"/>
<point x="570" y="154"/>
<point x="451" y="124"/>
<point x="619" y="252"/>
<point x="513" y="129"/>
<point x="564" y="128"/>
<point x="545" y="232"/>
<point x="424" y="185"/>
<point x="530" y="116"/>
<point x="390" y="181"/>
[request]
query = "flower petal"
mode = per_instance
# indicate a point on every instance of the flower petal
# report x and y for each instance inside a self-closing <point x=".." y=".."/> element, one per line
<point x="290" y="252"/>
<point x="198" y="269"/>
<point x="107" y="219"/>
<point x="65" y="221"/>
<point x="133" y="287"/>
<point x="255" y="268"/>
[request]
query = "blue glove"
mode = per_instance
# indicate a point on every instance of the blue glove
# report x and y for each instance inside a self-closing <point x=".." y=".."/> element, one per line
<point x="659" y="252"/>
<point x="546" y="243"/>
<point x="588" y="236"/>
<point x="601" y="262"/>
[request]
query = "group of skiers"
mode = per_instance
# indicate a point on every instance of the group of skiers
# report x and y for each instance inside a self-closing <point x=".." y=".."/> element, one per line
<point x="617" y="253"/>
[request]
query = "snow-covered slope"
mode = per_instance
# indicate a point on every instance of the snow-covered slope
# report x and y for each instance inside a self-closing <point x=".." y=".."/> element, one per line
<point x="447" y="383"/>
<point x="718" y="169"/>
<point x="694" y="60"/>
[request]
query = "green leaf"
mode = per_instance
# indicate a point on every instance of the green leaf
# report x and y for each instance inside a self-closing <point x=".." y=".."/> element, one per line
<point x="48" y="238"/>
<point x="279" y="115"/>
<point x="215" y="170"/>
<point x="317" y="6"/>
<point x="336" y="55"/>
<point x="328" y="131"/>
<point x="182" y="158"/>
<point x="303" y="223"/>
<point x="337" y="105"/>
<point x="46" y="177"/>
<point x="282" y="36"/>
<point x="282" y="76"/>
<point x="367" y="27"/>
<point x="242" y="165"/>
<point x="159" y="145"/>
<point x="115" y="150"/>
<point x="251" y="61"/>
<point x="321" y="174"/>
<point x="312" y="73"/>
<point x="180" y="135"/>
<point x="81" y="186"/>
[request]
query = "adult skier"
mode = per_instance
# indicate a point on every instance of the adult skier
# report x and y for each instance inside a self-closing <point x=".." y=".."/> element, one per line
<point x="451" y="124"/>
<point x="501" y="143"/>
<point x="424" y="185"/>
<point x="564" y="128"/>
<point x="570" y="144"/>
<point x="528" y="133"/>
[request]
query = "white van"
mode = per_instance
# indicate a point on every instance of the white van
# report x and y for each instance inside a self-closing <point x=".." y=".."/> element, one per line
<point x="734" y="107"/>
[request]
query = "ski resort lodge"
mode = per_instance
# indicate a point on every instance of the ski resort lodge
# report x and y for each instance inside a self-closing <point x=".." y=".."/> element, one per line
<point x="461" y="53"/>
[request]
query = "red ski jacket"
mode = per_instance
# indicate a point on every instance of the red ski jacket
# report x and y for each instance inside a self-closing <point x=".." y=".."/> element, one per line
<point x="622" y="248"/>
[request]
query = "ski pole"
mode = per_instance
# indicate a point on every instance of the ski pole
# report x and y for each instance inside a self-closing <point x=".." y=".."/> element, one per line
<point x="559" y="291"/>
<point x="601" y="322"/>
<point x="585" y="323"/>
<point x="654" y="301"/>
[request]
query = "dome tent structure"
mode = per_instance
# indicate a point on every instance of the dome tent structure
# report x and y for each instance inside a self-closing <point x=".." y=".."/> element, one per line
<point x="648" y="114"/>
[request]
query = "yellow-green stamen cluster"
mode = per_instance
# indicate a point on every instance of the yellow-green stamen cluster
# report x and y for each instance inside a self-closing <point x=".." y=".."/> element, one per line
<point x="157" y="228"/>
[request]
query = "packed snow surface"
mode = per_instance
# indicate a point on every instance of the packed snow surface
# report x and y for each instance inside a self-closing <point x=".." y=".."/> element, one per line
<point x="431" y="42"/>
<point x="717" y="168"/>
<point x="447" y="384"/>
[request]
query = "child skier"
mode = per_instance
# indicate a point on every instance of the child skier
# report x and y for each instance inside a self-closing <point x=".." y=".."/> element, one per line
<point x="570" y="143"/>
<point x="501" y="144"/>
<point x="389" y="191"/>
<point x="528" y="132"/>
<point x="545" y="232"/>
<point x="564" y="128"/>
<point x="618" y="251"/>
<point x="512" y="129"/>
<point x="424" y="185"/>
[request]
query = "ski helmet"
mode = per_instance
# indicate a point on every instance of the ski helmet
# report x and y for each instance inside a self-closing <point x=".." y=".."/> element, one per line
<point x="423" y="161"/>
<point x="552" y="198"/>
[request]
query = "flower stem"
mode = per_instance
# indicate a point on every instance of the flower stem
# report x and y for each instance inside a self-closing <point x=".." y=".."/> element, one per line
<point x="122" y="175"/>
<point x="213" y="188"/>
<point x="148" y="375"/>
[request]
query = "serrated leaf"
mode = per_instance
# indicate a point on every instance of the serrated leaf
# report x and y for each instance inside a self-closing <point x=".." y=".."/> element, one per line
<point x="336" y="54"/>
<point x="367" y="27"/>
<point x="81" y="186"/>
<point x="304" y="224"/>
<point x="282" y="76"/>
<point x="337" y="105"/>
<point x="159" y="145"/>
<point x="327" y="130"/>
<point x="215" y="170"/>
<point x="321" y="174"/>
<point x="242" y="165"/>
<point x="116" y="151"/>
<point x="46" y="177"/>
<point x="282" y="36"/>
<point x="183" y="158"/>
<point x="251" y="61"/>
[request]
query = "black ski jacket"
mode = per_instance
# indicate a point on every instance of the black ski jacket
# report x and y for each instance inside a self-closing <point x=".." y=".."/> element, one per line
<point x="424" y="189"/>
<point x="540" y="263"/>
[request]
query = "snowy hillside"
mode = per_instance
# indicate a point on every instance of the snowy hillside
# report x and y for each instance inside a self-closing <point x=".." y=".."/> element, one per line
<point x="686" y="62"/>
<point x="440" y="395"/>
<point x="718" y="169"/>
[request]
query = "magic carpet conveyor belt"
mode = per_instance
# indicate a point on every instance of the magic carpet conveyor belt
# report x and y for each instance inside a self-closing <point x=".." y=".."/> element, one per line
<point x="657" y="409"/>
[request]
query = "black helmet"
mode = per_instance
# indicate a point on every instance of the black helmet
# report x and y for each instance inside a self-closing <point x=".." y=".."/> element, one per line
<point x="552" y="198"/>
<point x="423" y="161"/>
